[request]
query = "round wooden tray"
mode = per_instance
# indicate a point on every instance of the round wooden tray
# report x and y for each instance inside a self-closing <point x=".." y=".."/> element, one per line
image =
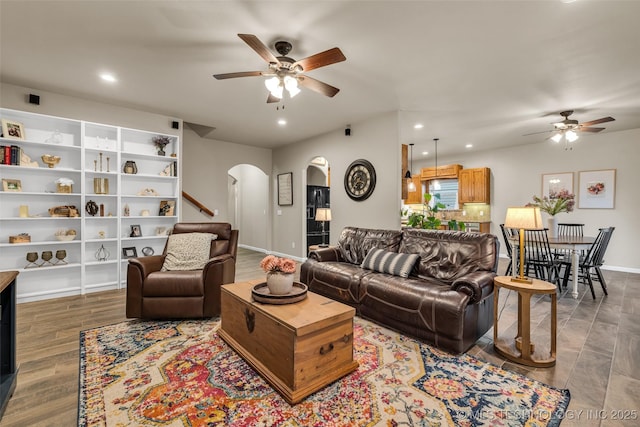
<point x="261" y="294"/>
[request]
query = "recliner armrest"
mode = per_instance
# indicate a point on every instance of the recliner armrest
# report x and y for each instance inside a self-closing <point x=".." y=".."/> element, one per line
<point x="478" y="285"/>
<point x="148" y="264"/>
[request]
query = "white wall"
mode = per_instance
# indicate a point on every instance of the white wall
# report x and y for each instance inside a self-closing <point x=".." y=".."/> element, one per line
<point x="516" y="177"/>
<point x="252" y="204"/>
<point x="375" y="140"/>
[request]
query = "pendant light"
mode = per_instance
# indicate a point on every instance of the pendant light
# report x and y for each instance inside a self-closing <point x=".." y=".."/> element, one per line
<point x="436" y="183"/>
<point x="411" y="187"/>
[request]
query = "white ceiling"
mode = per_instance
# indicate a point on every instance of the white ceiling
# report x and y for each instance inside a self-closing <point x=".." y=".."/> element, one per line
<point x="480" y="72"/>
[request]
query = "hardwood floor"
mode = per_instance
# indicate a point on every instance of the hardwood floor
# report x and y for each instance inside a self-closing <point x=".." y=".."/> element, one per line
<point x="598" y="347"/>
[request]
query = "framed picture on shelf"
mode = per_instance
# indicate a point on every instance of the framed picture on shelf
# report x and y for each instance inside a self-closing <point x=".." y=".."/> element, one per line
<point x="12" y="129"/>
<point x="14" y="185"/>
<point x="597" y="189"/>
<point x="135" y="231"/>
<point x="554" y="183"/>
<point x="129" y="252"/>
<point x="167" y="208"/>
<point x="285" y="189"/>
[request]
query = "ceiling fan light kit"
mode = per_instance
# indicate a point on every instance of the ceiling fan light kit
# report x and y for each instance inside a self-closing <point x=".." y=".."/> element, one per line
<point x="286" y="73"/>
<point x="569" y="128"/>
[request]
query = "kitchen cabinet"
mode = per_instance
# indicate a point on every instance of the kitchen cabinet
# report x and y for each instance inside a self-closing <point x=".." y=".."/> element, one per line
<point x="82" y="228"/>
<point x="474" y="185"/>
<point x="414" y="197"/>
<point x="444" y="171"/>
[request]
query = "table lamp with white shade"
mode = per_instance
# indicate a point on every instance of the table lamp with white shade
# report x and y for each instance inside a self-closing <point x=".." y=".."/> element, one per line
<point x="523" y="218"/>
<point x="323" y="215"/>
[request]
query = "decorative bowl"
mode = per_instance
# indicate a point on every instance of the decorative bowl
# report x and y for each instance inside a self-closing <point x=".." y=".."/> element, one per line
<point x="66" y="237"/>
<point x="50" y="160"/>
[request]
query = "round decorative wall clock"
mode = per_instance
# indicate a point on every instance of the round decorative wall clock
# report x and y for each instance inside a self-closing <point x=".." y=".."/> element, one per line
<point x="360" y="180"/>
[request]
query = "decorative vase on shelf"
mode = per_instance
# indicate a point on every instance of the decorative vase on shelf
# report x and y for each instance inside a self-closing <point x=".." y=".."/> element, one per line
<point x="130" y="167"/>
<point x="279" y="283"/>
<point x="553" y="226"/>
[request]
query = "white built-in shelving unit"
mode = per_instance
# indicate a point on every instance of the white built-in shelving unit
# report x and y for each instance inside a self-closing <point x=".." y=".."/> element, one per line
<point x="87" y="151"/>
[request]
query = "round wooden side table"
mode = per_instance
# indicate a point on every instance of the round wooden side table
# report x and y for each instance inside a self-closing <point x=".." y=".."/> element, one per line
<point x="521" y="349"/>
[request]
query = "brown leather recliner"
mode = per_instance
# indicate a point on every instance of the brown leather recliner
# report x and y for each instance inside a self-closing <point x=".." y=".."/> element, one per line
<point x="155" y="294"/>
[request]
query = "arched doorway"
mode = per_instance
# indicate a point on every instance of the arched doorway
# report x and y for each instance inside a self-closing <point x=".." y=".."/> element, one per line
<point x="317" y="197"/>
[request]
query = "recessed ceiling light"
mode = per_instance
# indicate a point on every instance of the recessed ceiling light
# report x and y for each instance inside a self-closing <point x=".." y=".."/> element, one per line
<point x="469" y="145"/>
<point x="418" y="126"/>
<point x="282" y="122"/>
<point x="424" y="153"/>
<point x="108" y="77"/>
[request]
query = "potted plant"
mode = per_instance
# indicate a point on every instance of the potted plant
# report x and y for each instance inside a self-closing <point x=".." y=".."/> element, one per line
<point x="428" y="219"/>
<point x="160" y="142"/>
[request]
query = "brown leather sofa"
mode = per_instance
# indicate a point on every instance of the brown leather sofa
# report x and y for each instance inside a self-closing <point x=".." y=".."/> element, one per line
<point x="447" y="299"/>
<point x="156" y="294"/>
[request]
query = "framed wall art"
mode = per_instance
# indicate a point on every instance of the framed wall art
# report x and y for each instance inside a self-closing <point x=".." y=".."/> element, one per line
<point x="12" y="129"/>
<point x="597" y="189"/>
<point x="554" y="183"/>
<point x="285" y="189"/>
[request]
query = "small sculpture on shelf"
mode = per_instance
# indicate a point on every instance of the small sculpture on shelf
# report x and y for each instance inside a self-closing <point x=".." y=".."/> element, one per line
<point x="102" y="254"/>
<point x="160" y="142"/>
<point x="91" y="208"/>
<point x="147" y="192"/>
<point x="25" y="161"/>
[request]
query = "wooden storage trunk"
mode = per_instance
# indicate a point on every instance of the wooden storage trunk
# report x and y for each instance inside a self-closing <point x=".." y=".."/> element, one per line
<point x="298" y="348"/>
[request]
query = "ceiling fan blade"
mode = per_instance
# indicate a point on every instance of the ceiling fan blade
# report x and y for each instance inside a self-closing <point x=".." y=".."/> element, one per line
<point x="593" y="130"/>
<point x="321" y="59"/>
<point x="255" y="44"/>
<point x="240" y="74"/>
<point x="272" y="99"/>
<point x="318" y="86"/>
<point x="597" y="122"/>
<point x="536" y="133"/>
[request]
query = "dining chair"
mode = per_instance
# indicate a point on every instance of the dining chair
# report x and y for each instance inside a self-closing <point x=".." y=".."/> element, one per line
<point x="570" y="229"/>
<point x="538" y="256"/>
<point x="566" y="229"/>
<point x="589" y="264"/>
<point x="507" y="234"/>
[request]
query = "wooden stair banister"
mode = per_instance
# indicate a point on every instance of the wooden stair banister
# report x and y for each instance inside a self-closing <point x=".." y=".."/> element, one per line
<point x="199" y="205"/>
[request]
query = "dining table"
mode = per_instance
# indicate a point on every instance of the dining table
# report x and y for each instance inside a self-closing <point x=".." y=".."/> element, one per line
<point x="575" y="245"/>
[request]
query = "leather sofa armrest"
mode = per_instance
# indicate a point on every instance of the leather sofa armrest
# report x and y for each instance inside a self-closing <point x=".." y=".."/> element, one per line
<point x="478" y="285"/>
<point x="326" y="254"/>
<point x="218" y="271"/>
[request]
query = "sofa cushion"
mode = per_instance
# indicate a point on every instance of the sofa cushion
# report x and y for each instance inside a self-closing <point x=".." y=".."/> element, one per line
<point x="355" y="243"/>
<point x="449" y="255"/>
<point x="188" y="251"/>
<point x="389" y="262"/>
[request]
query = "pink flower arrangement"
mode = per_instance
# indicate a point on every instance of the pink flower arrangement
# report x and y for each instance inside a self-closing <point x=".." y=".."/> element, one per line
<point x="273" y="264"/>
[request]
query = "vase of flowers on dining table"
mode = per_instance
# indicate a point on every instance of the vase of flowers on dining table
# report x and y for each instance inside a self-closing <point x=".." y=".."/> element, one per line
<point x="556" y="202"/>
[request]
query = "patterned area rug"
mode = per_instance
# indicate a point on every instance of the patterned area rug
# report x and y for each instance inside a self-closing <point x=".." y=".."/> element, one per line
<point x="182" y="374"/>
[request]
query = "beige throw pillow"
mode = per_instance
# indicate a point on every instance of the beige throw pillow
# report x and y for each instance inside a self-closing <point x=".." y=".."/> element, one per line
<point x="188" y="251"/>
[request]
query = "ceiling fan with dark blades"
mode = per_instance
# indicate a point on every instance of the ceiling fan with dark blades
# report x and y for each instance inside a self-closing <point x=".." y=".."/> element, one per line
<point x="573" y="125"/>
<point x="287" y="73"/>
